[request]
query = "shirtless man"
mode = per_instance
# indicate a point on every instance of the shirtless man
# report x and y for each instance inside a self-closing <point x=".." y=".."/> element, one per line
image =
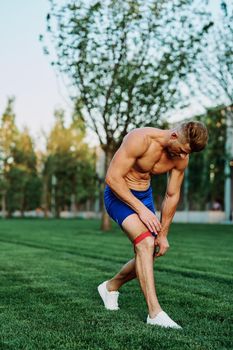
<point x="128" y="201"/>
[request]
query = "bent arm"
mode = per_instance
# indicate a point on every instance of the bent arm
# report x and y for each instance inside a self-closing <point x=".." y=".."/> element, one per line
<point x="171" y="199"/>
<point x="132" y="147"/>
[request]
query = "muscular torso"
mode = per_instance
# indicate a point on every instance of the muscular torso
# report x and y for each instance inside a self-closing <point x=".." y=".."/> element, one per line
<point x="155" y="160"/>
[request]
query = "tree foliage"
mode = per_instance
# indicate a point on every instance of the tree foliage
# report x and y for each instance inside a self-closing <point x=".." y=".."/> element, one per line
<point x="20" y="183"/>
<point x="206" y="169"/>
<point x="213" y="66"/>
<point x="125" y="59"/>
<point x="69" y="163"/>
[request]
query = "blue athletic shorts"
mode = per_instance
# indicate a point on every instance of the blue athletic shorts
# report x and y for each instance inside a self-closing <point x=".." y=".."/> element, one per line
<point x="118" y="210"/>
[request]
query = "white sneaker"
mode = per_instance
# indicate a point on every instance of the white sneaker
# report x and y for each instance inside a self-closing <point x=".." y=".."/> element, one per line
<point x="110" y="299"/>
<point x="163" y="320"/>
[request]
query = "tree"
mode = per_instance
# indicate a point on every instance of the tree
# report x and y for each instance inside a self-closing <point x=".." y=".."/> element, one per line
<point x="8" y="132"/>
<point x="25" y="165"/>
<point x="214" y="64"/>
<point x="206" y="169"/>
<point x="19" y="174"/>
<point x="69" y="165"/>
<point x="125" y="59"/>
<point x="214" y="78"/>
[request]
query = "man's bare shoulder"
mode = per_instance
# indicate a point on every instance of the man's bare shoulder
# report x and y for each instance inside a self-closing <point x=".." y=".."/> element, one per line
<point x="143" y="135"/>
<point x="181" y="164"/>
<point x="133" y="146"/>
<point x="145" y="131"/>
<point x="136" y="141"/>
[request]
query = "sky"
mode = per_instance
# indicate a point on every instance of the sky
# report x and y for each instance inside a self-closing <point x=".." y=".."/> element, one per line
<point x="25" y="72"/>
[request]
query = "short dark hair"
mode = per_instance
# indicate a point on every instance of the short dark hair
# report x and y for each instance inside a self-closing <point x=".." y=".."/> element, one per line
<point x="196" y="134"/>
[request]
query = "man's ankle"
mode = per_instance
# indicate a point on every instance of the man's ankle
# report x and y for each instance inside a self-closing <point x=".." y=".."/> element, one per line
<point x="153" y="313"/>
<point x="111" y="287"/>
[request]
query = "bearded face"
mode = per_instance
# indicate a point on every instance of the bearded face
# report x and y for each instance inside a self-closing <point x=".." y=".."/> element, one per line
<point x="176" y="149"/>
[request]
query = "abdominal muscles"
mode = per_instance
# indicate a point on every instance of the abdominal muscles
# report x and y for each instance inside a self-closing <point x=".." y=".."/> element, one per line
<point x="137" y="181"/>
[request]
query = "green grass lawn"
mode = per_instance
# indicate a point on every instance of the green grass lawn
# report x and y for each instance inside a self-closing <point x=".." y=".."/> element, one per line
<point x="50" y="271"/>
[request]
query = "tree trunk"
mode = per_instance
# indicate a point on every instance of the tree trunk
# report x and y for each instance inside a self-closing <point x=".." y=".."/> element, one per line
<point x="73" y="207"/>
<point x="105" y="222"/>
<point x="45" y="197"/>
<point x="4" y="212"/>
<point x="22" y="207"/>
<point x="57" y="210"/>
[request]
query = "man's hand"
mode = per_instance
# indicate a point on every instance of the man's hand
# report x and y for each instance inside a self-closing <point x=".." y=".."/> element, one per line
<point x="161" y="245"/>
<point x="150" y="220"/>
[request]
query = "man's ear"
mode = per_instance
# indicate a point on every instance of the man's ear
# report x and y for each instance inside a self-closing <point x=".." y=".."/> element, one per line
<point x="174" y="135"/>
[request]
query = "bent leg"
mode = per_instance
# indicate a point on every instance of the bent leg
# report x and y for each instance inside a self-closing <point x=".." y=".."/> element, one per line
<point x="126" y="274"/>
<point x="128" y="271"/>
<point x="141" y="266"/>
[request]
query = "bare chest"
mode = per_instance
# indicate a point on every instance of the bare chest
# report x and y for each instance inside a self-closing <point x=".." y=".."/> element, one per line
<point x="154" y="163"/>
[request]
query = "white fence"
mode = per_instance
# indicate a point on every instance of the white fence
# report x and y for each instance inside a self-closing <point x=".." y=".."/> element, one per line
<point x="208" y="217"/>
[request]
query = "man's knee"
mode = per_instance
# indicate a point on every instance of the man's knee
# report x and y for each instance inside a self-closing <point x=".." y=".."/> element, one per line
<point x="145" y="246"/>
